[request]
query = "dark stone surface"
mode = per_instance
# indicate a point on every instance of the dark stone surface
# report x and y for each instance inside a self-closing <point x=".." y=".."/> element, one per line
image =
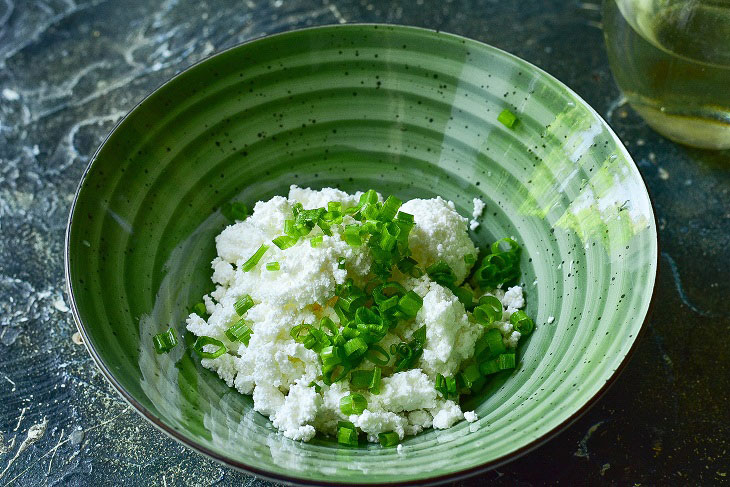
<point x="69" y="70"/>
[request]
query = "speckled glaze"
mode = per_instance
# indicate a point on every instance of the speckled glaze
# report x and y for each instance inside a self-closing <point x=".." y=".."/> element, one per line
<point x="405" y="111"/>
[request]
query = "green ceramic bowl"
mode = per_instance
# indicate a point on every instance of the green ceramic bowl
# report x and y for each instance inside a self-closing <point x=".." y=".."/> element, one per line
<point x="405" y="111"/>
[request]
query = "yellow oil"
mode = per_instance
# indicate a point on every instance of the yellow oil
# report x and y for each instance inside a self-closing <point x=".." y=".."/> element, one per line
<point x="671" y="59"/>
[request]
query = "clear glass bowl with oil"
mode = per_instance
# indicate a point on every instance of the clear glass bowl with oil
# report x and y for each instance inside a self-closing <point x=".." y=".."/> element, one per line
<point x="671" y="59"/>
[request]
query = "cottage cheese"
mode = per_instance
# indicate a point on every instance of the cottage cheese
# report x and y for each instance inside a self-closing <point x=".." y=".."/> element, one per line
<point x="278" y="371"/>
<point x="478" y="210"/>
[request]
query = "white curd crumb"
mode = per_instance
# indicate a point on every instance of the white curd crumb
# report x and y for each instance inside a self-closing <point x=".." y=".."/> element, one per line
<point x="470" y="416"/>
<point x="550" y="320"/>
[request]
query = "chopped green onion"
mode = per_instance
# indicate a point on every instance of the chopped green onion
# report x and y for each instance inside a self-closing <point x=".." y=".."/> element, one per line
<point x="407" y="265"/>
<point x="499" y="267"/>
<point x="442" y="273"/>
<point x="389" y="439"/>
<point x="316" y="241"/>
<point x="419" y="336"/>
<point x="489" y="367"/>
<point x="345" y="424"/>
<point x="355" y="347"/>
<point x="284" y="241"/>
<point x="522" y="322"/>
<point x="464" y="295"/>
<point x="255" y="258"/>
<point x="290" y="228"/>
<point x="389" y="238"/>
<point x="369" y="197"/>
<point x="352" y="235"/>
<point x="361" y="379"/>
<point x="299" y="332"/>
<point x="347" y="436"/>
<point x="386" y="290"/>
<point x="470" y="259"/>
<point x="330" y="356"/>
<point x="334" y="206"/>
<point x="243" y="304"/>
<point x="493" y="341"/>
<point x="335" y="374"/>
<point x="451" y="386"/>
<point x="272" y="266"/>
<point x="389" y="303"/>
<point x="240" y="332"/>
<point x="165" y="341"/>
<point x="200" y="310"/>
<point x="341" y="263"/>
<point x="506" y="361"/>
<point x="410" y="304"/>
<point x="317" y="387"/>
<point x="488" y="311"/>
<point x="405" y="217"/>
<point x="353" y="403"/>
<point x="327" y="323"/>
<point x="325" y="227"/>
<point x="370" y="211"/>
<point x="507" y="118"/>
<point x="390" y="208"/>
<point x="440" y="385"/>
<point x="375" y="382"/>
<point x="377" y="355"/>
<point x="203" y="341"/>
<point x="470" y="375"/>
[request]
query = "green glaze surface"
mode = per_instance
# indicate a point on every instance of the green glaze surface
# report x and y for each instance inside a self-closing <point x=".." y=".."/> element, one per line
<point x="402" y="110"/>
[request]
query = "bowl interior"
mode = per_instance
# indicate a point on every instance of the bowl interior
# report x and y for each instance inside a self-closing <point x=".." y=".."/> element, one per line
<point x="402" y="110"/>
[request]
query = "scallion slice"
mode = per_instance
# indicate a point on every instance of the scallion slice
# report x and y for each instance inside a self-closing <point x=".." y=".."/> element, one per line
<point x="470" y="375"/>
<point x="361" y="379"/>
<point x="390" y="208"/>
<point x="375" y="382"/>
<point x="284" y="241"/>
<point x="352" y="235"/>
<point x="492" y="339"/>
<point x="522" y="322"/>
<point x="347" y="436"/>
<point x="507" y="118"/>
<point x="272" y="266"/>
<point x="353" y="403"/>
<point x="410" y="304"/>
<point x="405" y="217"/>
<point x="506" y="361"/>
<point x="355" y="347"/>
<point x="255" y="258"/>
<point x="203" y="341"/>
<point x="165" y="341"/>
<point x="240" y="332"/>
<point x="389" y="439"/>
<point x="243" y="304"/>
<point x="488" y="311"/>
<point x="377" y="355"/>
<point x="489" y="367"/>
<point x="316" y="241"/>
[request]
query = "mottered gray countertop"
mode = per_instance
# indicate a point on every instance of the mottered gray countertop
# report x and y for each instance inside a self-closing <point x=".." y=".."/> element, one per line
<point x="70" y="69"/>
